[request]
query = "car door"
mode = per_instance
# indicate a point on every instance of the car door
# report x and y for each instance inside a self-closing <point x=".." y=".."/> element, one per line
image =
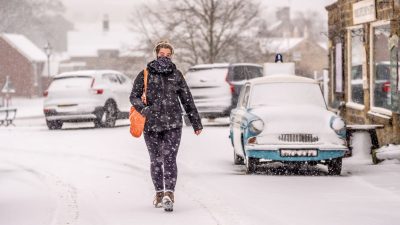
<point x="124" y="91"/>
<point x="237" y="122"/>
<point x="112" y="86"/>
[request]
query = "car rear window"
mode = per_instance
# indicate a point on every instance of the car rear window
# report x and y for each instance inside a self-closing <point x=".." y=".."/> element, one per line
<point x="216" y="74"/>
<point x="254" y="72"/>
<point x="239" y="73"/>
<point x="75" y="82"/>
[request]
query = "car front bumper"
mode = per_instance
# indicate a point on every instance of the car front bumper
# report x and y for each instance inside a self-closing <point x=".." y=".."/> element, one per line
<point x="273" y="153"/>
<point x="73" y="116"/>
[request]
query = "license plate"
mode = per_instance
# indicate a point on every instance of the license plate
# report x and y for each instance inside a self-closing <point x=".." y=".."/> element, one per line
<point x="299" y="152"/>
<point x="67" y="105"/>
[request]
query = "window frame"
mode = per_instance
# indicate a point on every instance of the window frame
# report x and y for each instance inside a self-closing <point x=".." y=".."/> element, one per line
<point x="378" y="110"/>
<point x="349" y="102"/>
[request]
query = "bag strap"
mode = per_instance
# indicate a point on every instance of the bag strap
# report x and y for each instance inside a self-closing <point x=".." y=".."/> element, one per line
<point x="145" y="73"/>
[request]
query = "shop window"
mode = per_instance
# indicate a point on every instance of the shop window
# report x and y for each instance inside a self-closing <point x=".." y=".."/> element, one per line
<point x="398" y="67"/>
<point x="356" y="58"/>
<point x="380" y="89"/>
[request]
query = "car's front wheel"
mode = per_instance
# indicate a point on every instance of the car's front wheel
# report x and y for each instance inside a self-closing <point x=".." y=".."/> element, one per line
<point x="54" y="124"/>
<point x="335" y="166"/>
<point x="251" y="165"/>
<point x="237" y="160"/>
<point x="108" y="117"/>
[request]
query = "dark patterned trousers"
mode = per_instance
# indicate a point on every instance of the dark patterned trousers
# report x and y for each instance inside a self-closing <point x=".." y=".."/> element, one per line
<point x="163" y="148"/>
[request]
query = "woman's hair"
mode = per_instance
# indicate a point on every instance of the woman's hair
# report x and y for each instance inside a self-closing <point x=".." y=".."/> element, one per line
<point x="163" y="44"/>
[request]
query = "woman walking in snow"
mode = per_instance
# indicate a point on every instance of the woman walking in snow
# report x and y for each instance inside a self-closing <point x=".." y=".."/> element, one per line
<point x="163" y="127"/>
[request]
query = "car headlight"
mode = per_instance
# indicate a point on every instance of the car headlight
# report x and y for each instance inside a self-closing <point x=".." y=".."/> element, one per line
<point x="256" y="126"/>
<point x="338" y="125"/>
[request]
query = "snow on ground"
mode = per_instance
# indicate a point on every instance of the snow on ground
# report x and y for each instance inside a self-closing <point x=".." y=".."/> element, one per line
<point x="27" y="108"/>
<point x="389" y="153"/>
<point x="84" y="176"/>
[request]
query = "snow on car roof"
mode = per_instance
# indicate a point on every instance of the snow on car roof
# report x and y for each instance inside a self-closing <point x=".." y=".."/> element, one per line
<point x="222" y="65"/>
<point x="214" y="65"/>
<point x="85" y="73"/>
<point x="282" y="78"/>
<point x="246" y="64"/>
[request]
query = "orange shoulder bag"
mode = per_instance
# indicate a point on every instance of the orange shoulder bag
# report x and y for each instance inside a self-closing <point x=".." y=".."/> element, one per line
<point x="136" y="119"/>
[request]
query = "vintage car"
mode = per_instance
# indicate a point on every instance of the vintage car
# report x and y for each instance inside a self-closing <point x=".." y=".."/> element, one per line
<point x="284" y="118"/>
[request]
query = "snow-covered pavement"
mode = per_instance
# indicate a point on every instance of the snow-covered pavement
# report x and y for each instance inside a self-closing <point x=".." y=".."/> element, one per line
<point x="101" y="176"/>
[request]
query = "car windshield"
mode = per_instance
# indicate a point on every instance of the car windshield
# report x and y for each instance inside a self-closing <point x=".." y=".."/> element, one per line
<point x="278" y="94"/>
<point x="75" y="82"/>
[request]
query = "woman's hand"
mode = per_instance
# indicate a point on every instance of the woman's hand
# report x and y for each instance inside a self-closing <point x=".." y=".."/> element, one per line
<point x="197" y="132"/>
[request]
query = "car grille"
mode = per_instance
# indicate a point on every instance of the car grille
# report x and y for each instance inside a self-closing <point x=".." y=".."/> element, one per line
<point x="302" y="138"/>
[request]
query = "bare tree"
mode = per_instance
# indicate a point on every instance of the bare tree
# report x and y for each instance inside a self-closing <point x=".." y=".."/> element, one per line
<point x="312" y="22"/>
<point x="203" y="31"/>
<point x="39" y="20"/>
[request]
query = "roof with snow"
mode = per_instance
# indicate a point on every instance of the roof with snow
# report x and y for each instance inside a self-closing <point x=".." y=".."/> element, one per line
<point x="275" y="25"/>
<point x="88" y="39"/>
<point x="279" y="45"/>
<point x="26" y="47"/>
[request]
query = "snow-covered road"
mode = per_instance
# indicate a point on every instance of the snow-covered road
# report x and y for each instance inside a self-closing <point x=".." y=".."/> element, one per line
<point x="91" y="176"/>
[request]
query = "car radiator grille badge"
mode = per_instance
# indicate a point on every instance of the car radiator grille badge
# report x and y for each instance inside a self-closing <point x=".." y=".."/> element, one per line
<point x="298" y="138"/>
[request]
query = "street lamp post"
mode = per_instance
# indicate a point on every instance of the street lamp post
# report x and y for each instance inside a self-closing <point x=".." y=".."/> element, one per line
<point x="47" y="50"/>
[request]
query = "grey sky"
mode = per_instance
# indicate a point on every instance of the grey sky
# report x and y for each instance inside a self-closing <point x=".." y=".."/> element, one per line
<point x="83" y="11"/>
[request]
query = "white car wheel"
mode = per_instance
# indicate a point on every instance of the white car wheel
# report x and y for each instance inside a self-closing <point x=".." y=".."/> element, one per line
<point x="108" y="117"/>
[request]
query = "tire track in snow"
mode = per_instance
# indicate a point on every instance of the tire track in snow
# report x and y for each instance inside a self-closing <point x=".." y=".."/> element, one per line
<point x="213" y="203"/>
<point x="65" y="195"/>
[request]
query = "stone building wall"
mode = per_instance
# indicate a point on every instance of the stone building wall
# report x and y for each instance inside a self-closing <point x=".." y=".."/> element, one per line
<point x="340" y="18"/>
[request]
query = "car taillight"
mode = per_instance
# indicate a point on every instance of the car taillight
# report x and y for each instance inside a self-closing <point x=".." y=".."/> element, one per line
<point x="231" y="87"/>
<point x="98" y="91"/>
<point x="386" y="87"/>
<point x="45" y="93"/>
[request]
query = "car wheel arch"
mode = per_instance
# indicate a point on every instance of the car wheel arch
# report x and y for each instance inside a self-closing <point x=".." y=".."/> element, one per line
<point x="111" y="101"/>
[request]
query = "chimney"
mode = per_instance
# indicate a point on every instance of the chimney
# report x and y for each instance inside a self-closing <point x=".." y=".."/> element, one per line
<point x="306" y="34"/>
<point x="106" y="23"/>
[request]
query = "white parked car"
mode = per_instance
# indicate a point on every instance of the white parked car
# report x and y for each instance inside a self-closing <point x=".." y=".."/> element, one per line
<point x="215" y="87"/>
<point x="101" y="96"/>
<point x="284" y="118"/>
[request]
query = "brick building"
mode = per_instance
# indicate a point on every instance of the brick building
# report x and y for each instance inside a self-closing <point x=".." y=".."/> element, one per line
<point x="295" y="43"/>
<point x="24" y="63"/>
<point x="364" y="63"/>
<point x="309" y="56"/>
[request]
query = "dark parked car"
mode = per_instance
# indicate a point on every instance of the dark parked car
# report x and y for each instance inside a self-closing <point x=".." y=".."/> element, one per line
<point x="216" y="87"/>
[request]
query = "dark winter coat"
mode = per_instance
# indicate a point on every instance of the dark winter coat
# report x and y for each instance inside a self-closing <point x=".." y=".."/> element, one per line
<point x="165" y="87"/>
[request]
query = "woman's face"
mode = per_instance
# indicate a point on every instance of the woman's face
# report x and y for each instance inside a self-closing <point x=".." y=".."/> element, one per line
<point x="164" y="52"/>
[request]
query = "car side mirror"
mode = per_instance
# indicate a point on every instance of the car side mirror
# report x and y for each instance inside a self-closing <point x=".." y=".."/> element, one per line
<point x="341" y="107"/>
